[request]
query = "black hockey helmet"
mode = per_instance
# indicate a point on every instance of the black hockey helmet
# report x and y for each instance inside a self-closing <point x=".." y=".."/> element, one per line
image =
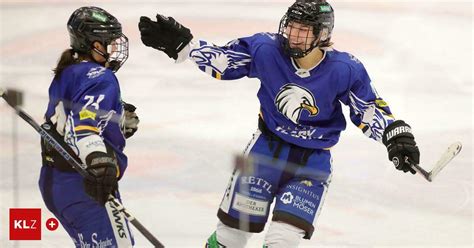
<point x="315" y="13"/>
<point x="90" y="24"/>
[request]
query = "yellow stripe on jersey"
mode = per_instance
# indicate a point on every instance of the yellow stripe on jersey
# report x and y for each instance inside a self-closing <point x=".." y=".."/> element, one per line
<point x="361" y="126"/>
<point x="90" y="128"/>
<point x="218" y="75"/>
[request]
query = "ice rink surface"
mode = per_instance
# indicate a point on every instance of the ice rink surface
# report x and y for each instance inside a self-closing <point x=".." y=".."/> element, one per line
<point x="418" y="54"/>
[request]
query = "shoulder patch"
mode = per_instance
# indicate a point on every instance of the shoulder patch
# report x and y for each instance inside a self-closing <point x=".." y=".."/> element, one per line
<point x="353" y="58"/>
<point x="270" y="35"/>
<point x="96" y="72"/>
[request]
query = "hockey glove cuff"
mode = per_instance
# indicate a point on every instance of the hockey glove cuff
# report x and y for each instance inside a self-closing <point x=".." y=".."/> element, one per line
<point x="131" y="120"/>
<point x="184" y="54"/>
<point x="401" y="146"/>
<point x="103" y="169"/>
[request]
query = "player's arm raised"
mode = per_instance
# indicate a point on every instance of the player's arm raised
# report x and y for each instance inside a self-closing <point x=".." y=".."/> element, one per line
<point x="228" y="62"/>
<point x="164" y="34"/>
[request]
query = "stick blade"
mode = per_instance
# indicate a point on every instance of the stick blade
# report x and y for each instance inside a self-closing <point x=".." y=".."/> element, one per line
<point x="452" y="151"/>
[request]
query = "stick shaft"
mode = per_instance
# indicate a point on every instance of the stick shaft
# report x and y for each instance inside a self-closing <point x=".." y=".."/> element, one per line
<point x="136" y="223"/>
<point x="422" y="172"/>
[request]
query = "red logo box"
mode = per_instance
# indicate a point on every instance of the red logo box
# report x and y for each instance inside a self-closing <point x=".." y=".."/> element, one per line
<point x="25" y="224"/>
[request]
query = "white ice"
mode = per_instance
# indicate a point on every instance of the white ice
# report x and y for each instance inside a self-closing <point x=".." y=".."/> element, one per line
<point x="418" y="54"/>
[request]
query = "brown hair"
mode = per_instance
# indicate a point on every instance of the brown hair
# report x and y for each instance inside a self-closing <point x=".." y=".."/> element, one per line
<point x="66" y="59"/>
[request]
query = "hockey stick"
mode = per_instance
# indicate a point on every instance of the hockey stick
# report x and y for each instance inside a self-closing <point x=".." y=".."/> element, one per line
<point x="446" y="157"/>
<point x="80" y="168"/>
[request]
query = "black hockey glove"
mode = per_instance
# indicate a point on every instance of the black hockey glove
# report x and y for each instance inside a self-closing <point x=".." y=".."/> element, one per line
<point x="103" y="169"/>
<point x="401" y="146"/>
<point x="166" y="34"/>
<point x="131" y="120"/>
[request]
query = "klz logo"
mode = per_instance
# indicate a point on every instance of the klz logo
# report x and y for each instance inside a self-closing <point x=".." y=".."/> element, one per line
<point x="25" y="224"/>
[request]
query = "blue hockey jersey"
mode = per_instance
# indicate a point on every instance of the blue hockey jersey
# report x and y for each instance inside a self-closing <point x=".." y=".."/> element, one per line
<point x="300" y="106"/>
<point x="86" y="107"/>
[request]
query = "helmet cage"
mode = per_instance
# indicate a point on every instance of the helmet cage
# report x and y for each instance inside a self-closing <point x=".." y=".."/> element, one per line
<point x="117" y="52"/>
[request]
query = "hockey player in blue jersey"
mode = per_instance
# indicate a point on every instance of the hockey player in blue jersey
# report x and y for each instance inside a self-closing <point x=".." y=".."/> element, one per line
<point x="304" y="81"/>
<point x="85" y="111"/>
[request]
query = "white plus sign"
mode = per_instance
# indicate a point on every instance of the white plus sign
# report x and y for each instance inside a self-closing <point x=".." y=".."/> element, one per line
<point x="51" y="224"/>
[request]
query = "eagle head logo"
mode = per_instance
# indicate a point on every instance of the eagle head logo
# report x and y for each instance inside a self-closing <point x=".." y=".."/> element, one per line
<point x="293" y="99"/>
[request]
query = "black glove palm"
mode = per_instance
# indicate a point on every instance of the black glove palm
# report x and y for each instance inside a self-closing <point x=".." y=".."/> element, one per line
<point x="401" y="146"/>
<point x="166" y="34"/>
<point x="103" y="169"/>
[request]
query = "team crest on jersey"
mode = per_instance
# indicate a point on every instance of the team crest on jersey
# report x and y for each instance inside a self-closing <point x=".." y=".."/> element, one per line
<point x="294" y="99"/>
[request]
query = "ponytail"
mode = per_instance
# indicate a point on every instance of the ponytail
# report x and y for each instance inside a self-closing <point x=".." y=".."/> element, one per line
<point x="67" y="58"/>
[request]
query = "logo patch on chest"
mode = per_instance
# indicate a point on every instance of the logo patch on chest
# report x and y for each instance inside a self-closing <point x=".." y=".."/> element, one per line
<point x="294" y="99"/>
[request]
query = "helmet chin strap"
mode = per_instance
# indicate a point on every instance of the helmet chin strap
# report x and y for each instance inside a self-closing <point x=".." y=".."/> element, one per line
<point x="314" y="44"/>
<point x="104" y="55"/>
<point x="303" y="53"/>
